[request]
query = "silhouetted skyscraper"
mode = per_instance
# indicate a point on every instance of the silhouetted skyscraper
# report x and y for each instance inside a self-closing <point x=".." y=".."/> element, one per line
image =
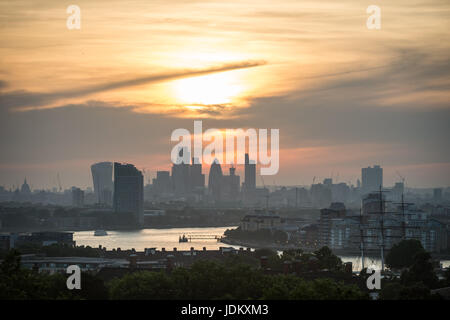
<point x="371" y="179"/>
<point x="129" y="191"/>
<point x="215" y="180"/>
<point x="77" y="197"/>
<point x="180" y="175"/>
<point x="162" y="183"/>
<point x="196" y="178"/>
<point x="250" y="174"/>
<point x="437" y="195"/>
<point x="231" y="186"/>
<point x="102" y="173"/>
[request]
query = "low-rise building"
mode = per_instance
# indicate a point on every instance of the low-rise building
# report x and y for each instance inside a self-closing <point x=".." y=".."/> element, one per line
<point x="255" y="222"/>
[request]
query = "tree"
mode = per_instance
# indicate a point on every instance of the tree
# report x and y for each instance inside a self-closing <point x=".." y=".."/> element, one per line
<point x="402" y="254"/>
<point x="397" y="291"/>
<point x="327" y="260"/>
<point x="17" y="283"/>
<point x="421" y="271"/>
<point x="22" y="284"/>
<point x="142" y="285"/>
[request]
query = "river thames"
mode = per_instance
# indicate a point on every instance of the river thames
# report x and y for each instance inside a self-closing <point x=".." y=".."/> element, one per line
<point x="168" y="239"/>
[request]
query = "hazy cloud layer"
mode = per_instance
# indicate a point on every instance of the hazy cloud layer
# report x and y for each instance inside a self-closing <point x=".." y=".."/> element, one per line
<point x="22" y="98"/>
<point x="342" y="96"/>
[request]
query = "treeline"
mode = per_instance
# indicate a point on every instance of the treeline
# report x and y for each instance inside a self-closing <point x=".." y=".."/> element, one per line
<point x="17" y="283"/>
<point x="261" y="275"/>
<point x="209" y="280"/>
<point x="204" y="280"/>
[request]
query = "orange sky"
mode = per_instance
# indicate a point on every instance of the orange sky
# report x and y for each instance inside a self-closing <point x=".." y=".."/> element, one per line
<point x="343" y="96"/>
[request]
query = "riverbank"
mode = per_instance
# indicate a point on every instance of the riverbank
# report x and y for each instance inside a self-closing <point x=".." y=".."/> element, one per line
<point x="338" y="252"/>
<point x="256" y="245"/>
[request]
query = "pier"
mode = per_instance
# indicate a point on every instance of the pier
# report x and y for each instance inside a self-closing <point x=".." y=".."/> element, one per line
<point x="191" y="237"/>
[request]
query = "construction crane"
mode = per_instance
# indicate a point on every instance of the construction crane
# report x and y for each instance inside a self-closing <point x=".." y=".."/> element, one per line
<point x="401" y="177"/>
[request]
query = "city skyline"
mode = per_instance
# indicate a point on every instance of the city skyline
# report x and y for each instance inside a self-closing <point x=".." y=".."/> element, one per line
<point x="343" y="96"/>
<point x="189" y="176"/>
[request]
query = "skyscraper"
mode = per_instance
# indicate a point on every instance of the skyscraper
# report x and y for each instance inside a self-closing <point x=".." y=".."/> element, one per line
<point x="180" y="174"/>
<point x="77" y="197"/>
<point x="371" y="178"/>
<point x="230" y="186"/>
<point x="215" y="180"/>
<point x="437" y="195"/>
<point x="102" y="173"/>
<point x="250" y="174"/>
<point x="196" y="178"/>
<point x="129" y="191"/>
<point x="162" y="183"/>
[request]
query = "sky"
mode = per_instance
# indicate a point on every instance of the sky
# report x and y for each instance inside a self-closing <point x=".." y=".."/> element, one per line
<point x="343" y="96"/>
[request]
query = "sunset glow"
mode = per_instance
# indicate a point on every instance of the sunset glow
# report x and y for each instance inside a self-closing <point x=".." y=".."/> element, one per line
<point x="127" y="78"/>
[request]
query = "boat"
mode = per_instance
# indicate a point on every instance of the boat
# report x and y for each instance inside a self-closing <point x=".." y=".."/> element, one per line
<point x="182" y="239"/>
<point x="99" y="233"/>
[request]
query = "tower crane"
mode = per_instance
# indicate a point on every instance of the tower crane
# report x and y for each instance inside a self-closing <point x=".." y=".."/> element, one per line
<point x="401" y="177"/>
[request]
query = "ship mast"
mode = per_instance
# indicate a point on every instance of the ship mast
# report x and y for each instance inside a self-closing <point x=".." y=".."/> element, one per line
<point x="361" y="233"/>
<point x="382" y="228"/>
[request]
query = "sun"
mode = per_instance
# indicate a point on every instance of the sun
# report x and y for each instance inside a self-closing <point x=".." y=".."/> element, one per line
<point x="214" y="89"/>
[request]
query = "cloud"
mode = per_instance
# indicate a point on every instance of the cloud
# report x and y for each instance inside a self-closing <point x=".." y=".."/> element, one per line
<point x="31" y="100"/>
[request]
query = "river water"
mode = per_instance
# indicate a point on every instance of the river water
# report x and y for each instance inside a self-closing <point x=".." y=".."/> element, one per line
<point x="153" y="238"/>
<point x="168" y="239"/>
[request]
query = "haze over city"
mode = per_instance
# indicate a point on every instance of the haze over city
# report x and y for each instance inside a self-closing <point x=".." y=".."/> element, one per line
<point x="343" y="96"/>
<point x="216" y="158"/>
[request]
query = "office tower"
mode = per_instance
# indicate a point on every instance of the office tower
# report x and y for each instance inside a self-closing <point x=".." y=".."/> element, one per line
<point x="162" y="183"/>
<point x="180" y="179"/>
<point x="320" y="195"/>
<point x="215" y="180"/>
<point x="180" y="175"/>
<point x="340" y="192"/>
<point x="129" y="191"/>
<point x="102" y="173"/>
<point x="196" y="178"/>
<point x="371" y="178"/>
<point x="397" y="191"/>
<point x="230" y="186"/>
<point x="250" y="174"/>
<point x="77" y="197"/>
<point x="437" y="195"/>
